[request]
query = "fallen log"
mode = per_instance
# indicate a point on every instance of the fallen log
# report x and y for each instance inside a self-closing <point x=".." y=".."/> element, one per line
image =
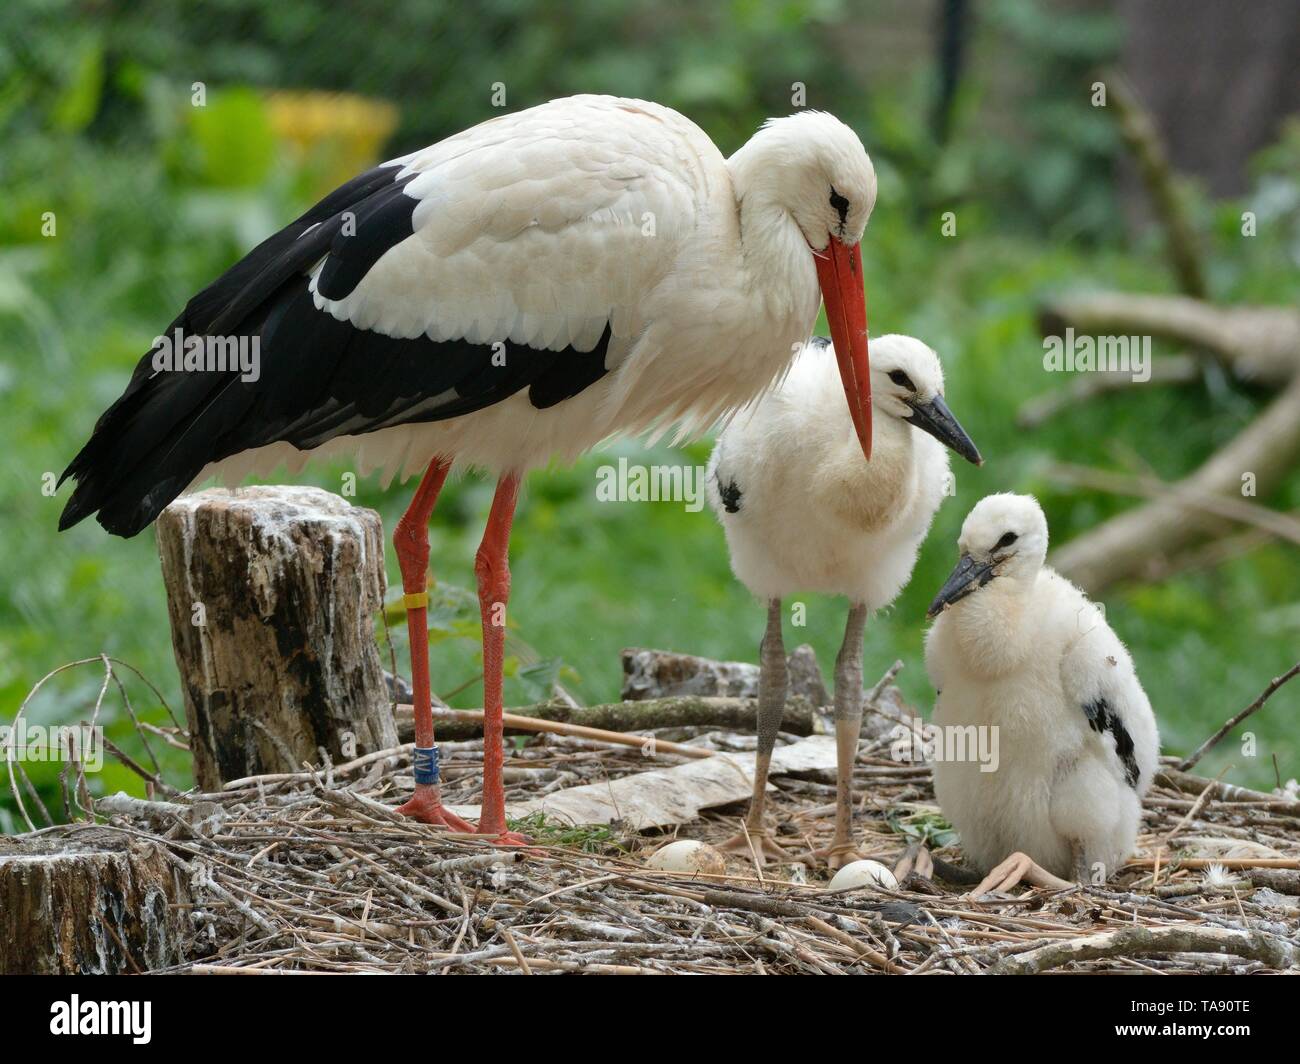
<point x="660" y="674"/>
<point x="884" y="704"/>
<point x="1258" y="344"/>
<point x="1122" y="548"/>
<point x="663" y="674"/>
<point x="729" y="714"/>
<point x="271" y="593"/>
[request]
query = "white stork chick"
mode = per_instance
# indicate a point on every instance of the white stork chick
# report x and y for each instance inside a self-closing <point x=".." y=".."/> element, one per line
<point x="1019" y="648"/>
<point x="803" y="512"/>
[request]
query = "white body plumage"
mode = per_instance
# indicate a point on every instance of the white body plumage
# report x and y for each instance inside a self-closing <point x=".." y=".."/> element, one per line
<point x="811" y="515"/>
<point x="803" y="512"/>
<point x="541" y="227"/>
<point x="1027" y="653"/>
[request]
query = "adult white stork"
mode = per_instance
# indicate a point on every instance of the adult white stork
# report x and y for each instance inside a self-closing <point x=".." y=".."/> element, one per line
<point x="803" y="512"/>
<point x="518" y="291"/>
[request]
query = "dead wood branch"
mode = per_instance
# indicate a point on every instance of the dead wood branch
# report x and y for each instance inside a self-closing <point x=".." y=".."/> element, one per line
<point x="1281" y="880"/>
<point x="520" y="722"/>
<point x="731" y="714"/>
<point x="1282" y="525"/>
<point x="1122" y="548"/>
<point x="1211" y="554"/>
<point x="1259" y="344"/>
<point x="1232" y="863"/>
<point x="1162" y="184"/>
<point x="1145" y="941"/>
<point x="1174" y="369"/>
<point x="1209" y="744"/>
<point x="1169" y="776"/>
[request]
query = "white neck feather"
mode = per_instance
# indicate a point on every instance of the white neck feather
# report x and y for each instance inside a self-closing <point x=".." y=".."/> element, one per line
<point x="777" y="259"/>
<point x="869" y="493"/>
<point x="991" y="626"/>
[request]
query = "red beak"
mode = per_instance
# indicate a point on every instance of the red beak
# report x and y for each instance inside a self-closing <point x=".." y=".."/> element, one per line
<point x="839" y="271"/>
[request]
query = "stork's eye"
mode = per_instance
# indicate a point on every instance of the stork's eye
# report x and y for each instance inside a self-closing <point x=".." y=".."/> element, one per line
<point x="902" y="379"/>
<point x="1007" y="539"/>
<point x="840" y="204"/>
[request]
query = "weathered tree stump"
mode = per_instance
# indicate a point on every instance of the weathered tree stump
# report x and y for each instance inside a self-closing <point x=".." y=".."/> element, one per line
<point x="272" y="593"/>
<point x="92" y="902"/>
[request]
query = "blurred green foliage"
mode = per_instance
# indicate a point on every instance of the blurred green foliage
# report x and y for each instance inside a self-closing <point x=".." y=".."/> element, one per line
<point x="150" y="197"/>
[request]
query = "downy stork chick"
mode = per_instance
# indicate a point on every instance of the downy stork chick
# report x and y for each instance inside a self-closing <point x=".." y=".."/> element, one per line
<point x="1019" y="648"/>
<point x="803" y="512"/>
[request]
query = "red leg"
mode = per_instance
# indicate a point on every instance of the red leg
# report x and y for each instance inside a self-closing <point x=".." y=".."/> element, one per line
<point x="411" y="540"/>
<point x="492" y="567"/>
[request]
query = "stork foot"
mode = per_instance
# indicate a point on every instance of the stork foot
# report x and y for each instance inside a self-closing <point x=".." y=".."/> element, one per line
<point x="758" y="843"/>
<point x="836" y="855"/>
<point x="492" y="825"/>
<point x="916" y="860"/>
<point x="505" y="838"/>
<point x="1016" y="869"/>
<point x="426" y="806"/>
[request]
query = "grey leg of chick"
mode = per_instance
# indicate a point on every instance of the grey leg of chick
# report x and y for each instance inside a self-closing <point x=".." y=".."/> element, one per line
<point x="848" y="727"/>
<point x="772" y="683"/>
<point x="1079" y="859"/>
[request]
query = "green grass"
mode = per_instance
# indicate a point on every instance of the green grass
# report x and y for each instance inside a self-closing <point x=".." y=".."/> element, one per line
<point x="596" y="838"/>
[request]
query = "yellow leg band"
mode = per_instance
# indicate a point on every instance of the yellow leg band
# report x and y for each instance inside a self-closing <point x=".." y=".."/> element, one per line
<point x="418" y="601"/>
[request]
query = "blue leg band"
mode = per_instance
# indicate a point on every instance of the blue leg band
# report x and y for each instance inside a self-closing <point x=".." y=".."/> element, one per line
<point x="426" y="764"/>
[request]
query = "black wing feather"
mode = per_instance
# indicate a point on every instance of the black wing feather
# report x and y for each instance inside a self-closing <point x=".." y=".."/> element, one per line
<point x="1102" y="718"/>
<point x="383" y="221"/>
<point x="319" y="377"/>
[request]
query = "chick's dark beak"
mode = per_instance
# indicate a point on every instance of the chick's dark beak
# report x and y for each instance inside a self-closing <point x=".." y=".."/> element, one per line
<point x="935" y="418"/>
<point x="969" y="576"/>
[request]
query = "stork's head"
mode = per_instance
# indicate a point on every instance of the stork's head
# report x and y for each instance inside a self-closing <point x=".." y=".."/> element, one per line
<point x="907" y="383"/>
<point x="1004" y="536"/>
<point x="813" y="169"/>
<point x="818" y="170"/>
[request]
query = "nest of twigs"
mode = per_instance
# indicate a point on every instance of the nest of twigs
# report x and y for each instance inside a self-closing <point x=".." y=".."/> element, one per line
<point x="317" y="873"/>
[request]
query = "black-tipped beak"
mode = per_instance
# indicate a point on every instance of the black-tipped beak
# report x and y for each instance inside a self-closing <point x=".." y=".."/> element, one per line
<point x="935" y="418"/>
<point x="969" y="576"/>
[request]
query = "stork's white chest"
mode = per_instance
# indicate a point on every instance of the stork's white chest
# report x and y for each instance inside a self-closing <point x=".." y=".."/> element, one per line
<point x="809" y="513"/>
<point x="1005" y="804"/>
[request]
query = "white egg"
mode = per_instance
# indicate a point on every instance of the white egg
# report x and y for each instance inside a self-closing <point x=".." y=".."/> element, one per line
<point x="688" y="855"/>
<point x="858" y="874"/>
